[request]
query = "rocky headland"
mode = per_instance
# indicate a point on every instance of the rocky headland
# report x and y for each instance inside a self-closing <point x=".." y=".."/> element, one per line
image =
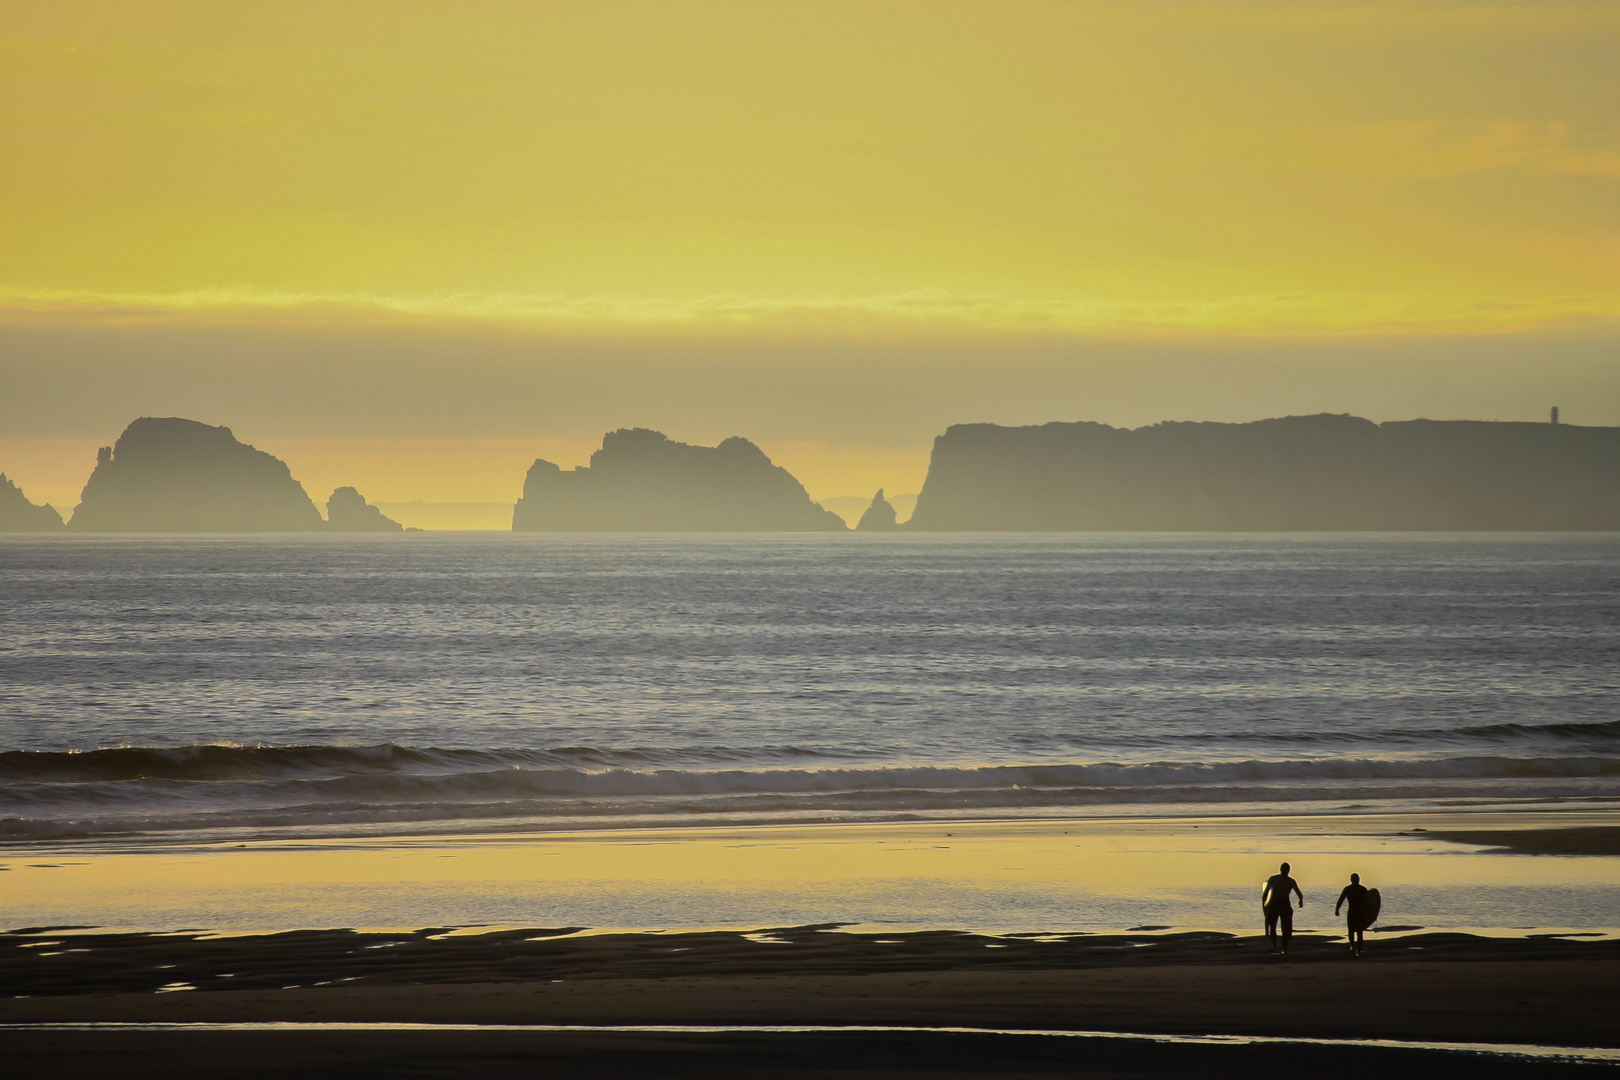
<point x="1297" y="473"/>
<point x="17" y="514"/>
<point x="642" y="481"/>
<point x="348" y="511"/>
<point x="1300" y="473"/>
<point x="167" y="474"/>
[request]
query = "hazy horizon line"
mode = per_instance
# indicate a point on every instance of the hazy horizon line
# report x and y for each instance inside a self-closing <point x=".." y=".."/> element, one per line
<point x="1312" y="314"/>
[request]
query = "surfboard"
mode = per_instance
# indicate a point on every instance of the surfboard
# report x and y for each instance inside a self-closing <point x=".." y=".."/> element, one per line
<point x="1364" y="914"/>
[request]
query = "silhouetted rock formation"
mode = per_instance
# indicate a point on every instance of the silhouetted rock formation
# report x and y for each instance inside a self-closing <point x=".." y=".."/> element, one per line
<point x="173" y="475"/>
<point x="17" y="514"/>
<point x="641" y="481"/>
<point x="879" y="517"/>
<point x="1296" y="473"/>
<point x="347" y="511"/>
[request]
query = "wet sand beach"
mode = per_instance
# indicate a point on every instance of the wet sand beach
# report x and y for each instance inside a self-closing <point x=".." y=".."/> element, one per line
<point x="1591" y="840"/>
<point x="849" y="1054"/>
<point x="1095" y="875"/>
<point x="1548" y="986"/>
<point x="1452" y="987"/>
<point x="1417" y="987"/>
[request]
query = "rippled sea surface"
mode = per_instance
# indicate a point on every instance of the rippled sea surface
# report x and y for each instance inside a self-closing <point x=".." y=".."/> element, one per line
<point x="185" y="685"/>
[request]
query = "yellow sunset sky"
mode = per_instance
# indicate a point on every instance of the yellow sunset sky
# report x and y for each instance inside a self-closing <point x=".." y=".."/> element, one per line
<point x="411" y="246"/>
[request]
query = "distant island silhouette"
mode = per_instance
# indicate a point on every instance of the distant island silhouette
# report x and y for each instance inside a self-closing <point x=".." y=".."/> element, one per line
<point x="642" y="481"/>
<point x="17" y="514"/>
<point x="166" y="474"/>
<point x="347" y="511"/>
<point x="879" y="517"/>
<point x="1296" y="473"/>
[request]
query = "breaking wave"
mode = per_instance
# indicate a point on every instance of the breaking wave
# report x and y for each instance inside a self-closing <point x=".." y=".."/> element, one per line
<point x="133" y="790"/>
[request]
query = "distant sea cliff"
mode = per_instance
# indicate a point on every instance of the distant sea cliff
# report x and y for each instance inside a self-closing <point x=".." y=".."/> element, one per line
<point x="172" y="475"/>
<point x="1297" y="473"/>
<point x="17" y="514"/>
<point x="643" y="481"/>
<point x="168" y="474"/>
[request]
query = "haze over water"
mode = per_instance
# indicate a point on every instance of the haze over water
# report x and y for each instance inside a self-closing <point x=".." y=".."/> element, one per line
<point x="284" y="686"/>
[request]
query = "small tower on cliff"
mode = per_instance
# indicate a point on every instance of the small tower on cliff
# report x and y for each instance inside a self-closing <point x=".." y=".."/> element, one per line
<point x="1555" y="414"/>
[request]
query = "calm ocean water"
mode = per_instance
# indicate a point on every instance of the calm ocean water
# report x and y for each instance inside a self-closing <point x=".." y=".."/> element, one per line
<point x="186" y="686"/>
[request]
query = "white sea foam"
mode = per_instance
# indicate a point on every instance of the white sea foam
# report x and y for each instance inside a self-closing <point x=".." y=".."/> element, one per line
<point x="318" y="785"/>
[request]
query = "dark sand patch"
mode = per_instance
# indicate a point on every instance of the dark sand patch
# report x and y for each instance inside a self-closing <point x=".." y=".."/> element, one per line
<point x="40" y="962"/>
<point x="712" y="1056"/>
<point x="1434" y="986"/>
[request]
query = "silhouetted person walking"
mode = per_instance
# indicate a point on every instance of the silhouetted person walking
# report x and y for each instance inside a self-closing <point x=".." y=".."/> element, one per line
<point x="1361" y="912"/>
<point x="1274" y="901"/>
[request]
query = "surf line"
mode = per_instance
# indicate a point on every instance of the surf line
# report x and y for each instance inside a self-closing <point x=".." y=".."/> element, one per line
<point x="1509" y="1050"/>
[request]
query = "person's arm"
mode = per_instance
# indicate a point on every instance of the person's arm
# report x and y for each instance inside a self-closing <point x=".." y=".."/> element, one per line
<point x="1301" y="895"/>
<point x="1344" y="894"/>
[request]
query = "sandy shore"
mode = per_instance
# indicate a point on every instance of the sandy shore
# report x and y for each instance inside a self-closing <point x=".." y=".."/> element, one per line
<point x="846" y="1055"/>
<point x="1434" y="988"/>
<point x="1413" y="984"/>
<point x="1449" y="987"/>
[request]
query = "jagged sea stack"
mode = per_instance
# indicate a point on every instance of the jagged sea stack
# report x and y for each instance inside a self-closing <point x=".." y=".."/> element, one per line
<point x="879" y="517"/>
<point x="17" y="514"/>
<point x="166" y="474"/>
<point x="641" y="481"/>
<point x="348" y="511"/>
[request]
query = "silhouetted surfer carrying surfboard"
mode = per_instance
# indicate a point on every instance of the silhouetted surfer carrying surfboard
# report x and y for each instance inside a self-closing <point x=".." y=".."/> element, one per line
<point x="1274" y="901"/>
<point x="1363" y="911"/>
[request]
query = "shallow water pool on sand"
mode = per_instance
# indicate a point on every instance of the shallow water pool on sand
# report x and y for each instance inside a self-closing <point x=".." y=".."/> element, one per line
<point x="997" y="877"/>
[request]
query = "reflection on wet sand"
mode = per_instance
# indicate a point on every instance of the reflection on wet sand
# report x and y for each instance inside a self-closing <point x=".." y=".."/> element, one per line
<point x="1000" y="877"/>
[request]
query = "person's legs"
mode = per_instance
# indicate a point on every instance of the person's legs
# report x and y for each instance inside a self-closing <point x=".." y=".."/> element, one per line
<point x="1271" y="929"/>
<point x="1286" y="916"/>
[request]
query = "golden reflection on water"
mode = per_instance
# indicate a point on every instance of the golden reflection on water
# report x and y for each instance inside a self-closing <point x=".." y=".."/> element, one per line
<point x="920" y="874"/>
